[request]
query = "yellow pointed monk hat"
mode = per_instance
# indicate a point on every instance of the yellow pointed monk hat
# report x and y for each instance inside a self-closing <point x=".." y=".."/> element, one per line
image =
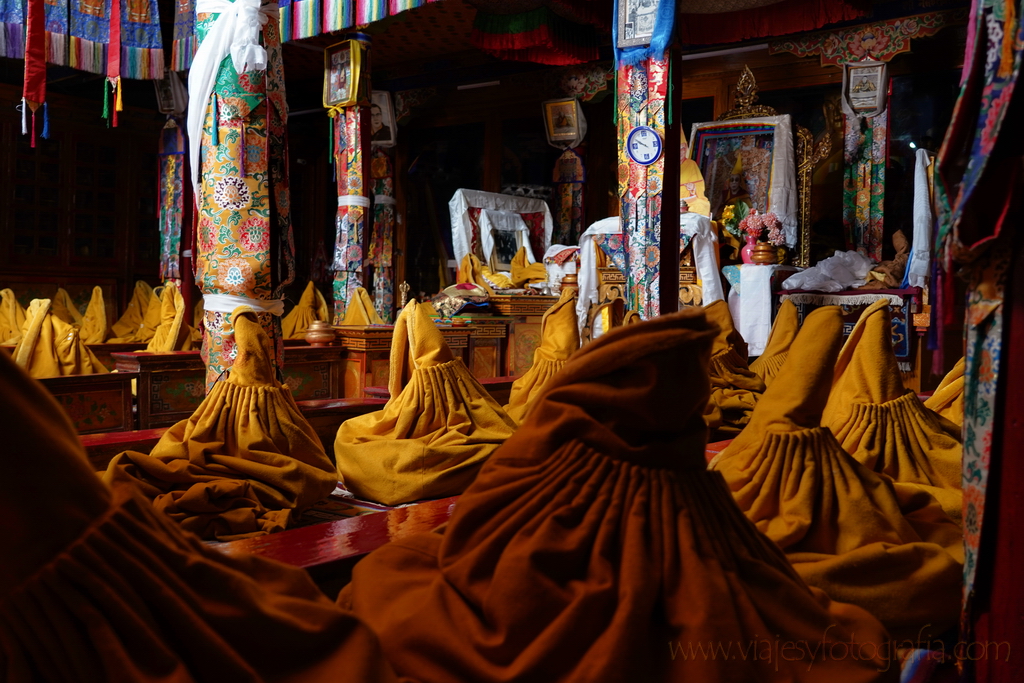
<point x="12" y="317"/>
<point x="470" y="272"/>
<point x="435" y="431"/>
<point x="559" y="339"/>
<point x="734" y="387"/>
<point x="94" y="322"/>
<point x="173" y="333"/>
<point x="128" y="327"/>
<point x="885" y="547"/>
<point x="312" y="306"/>
<point x="948" y="398"/>
<point x="884" y="425"/>
<point x="784" y="330"/>
<point x="50" y="347"/>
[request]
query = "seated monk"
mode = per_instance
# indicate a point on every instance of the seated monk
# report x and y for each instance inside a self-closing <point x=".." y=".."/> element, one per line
<point x="95" y="585"/>
<point x="94" y="322"/>
<point x="855" y="534"/>
<point x="883" y="424"/>
<point x="734" y="388"/>
<point x="524" y="273"/>
<point x="246" y="463"/>
<point x="173" y="333"/>
<point x="948" y="398"/>
<point x="559" y="339"/>
<point x="312" y="306"/>
<point x="776" y="350"/>
<point x="64" y="308"/>
<point x="437" y="428"/>
<point x="50" y="347"/>
<point x="140" y="319"/>
<point x="595" y="546"/>
<point x="12" y="318"/>
<point x="360" y="310"/>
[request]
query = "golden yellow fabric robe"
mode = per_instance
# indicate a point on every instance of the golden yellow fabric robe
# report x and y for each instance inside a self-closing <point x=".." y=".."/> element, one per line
<point x="312" y="306"/>
<point x="734" y="387"/>
<point x="64" y="308"/>
<point x="524" y="273"/>
<point x="559" y="339"/>
<point x="435" y="431"/>
<point x="784" y="330"/>
<point x="857" y="535"/>
<point x="50" y="347"/>
<point x="595" y="546"/>
<point x="360" y="310"/>
<point x="948" y="399"/>
<point x="246" y="463"/>
<point x="173" y="333"/>
<point x="12" y="317"/>
<point x="140" y="319"/>
<point x="470" y="271"/>
<point x="97" y="586"/>
<point x="883" y="424"/>
<point x="94" y="322"/>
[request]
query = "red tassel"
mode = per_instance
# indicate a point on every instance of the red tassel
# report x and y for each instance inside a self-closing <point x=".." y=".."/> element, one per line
<point x="33" y="130"/>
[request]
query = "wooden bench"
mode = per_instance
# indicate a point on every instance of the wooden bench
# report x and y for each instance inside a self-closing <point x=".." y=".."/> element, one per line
<point x="498" y="387"/>
<point x="103" y="351"/>
<point x="95" y="403"/>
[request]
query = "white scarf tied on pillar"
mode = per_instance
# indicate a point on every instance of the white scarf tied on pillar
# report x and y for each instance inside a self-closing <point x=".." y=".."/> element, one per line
<point x="236" y="32"/>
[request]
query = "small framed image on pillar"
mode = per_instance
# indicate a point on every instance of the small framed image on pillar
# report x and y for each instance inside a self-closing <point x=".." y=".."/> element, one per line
<point x="382" y="120"/>
<point x="343" y="74"/>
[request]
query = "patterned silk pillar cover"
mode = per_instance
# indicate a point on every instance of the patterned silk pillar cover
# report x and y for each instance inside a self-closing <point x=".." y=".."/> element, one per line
<point x="171" y="159"/>
<point x="641" y="97"/>
<point x="353" y="206"/>
<point x="569" y="177"/>
<point x="382" y="171"/>
<point x="245" y="244"/>
<point x="865" y="152"/>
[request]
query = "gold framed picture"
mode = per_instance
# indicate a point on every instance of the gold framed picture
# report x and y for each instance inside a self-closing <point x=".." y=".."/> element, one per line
<point x="562" y="120"/>
<point x="342" y="73"/>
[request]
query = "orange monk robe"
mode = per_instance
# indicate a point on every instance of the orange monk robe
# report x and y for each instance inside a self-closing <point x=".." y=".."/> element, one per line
<point x="559" y="339"/>
<point x="312" y="306"/>
<point x="94" y="322"/>
<point x="595" y="546"/>
<point x="470" y="272"/>
<point x="734" y="387"/>
<point x="861" y="538"/>
<point x="360" y="310"/>
<point x="524" y="272"/>
<point x="437" y="428"/>
<point x="784" y="330"/>
<point x="948" y="399"/>
<point x="883" y="424"/>
<point x="140" y="319"/>
<point x="64" y="308"/>
<point x="173" y="333"/>
<point x="12" y="317"/>
<point x="97" y="586"/>
<point x="246" y="463"/>
<point x="50" y="347"/>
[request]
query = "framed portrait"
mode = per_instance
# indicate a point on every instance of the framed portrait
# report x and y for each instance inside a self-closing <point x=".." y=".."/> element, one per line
<point x="736" y="162"/>
<point x="562" y="121"/>
<point x="636" y="22"/>
<point x="383" y="131"/>
<point x="865" y="86"/>
<point x="343" y="74"/>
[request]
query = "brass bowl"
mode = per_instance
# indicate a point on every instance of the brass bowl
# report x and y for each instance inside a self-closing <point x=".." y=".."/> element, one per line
<point x="319" y="333"/>
<point x="764" y="254"/>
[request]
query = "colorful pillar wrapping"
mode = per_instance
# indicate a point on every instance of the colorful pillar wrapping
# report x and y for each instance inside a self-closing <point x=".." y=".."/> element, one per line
<point x="569" y="177"/>
<point x="382" y="172"/>
<point x="183" y="45"/>
<point x="171" y="195"/>
<point x="350" y="127"/>
<point x="642" y="91"/>
<point x="245" y="251"/>
<point x="865" y="153"/>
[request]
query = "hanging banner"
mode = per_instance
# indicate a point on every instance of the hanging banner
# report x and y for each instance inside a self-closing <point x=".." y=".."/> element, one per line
<point x="171" y="159"/>
<point x="382" y="172"/>
<point x="569" y="178"/>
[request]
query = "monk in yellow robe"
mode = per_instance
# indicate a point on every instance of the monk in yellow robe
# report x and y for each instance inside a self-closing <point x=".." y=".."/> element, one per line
<point x="856" y="534"/>
<point x="883" y="424"/>
<point x="140" y="319"/>
<point x="95" y="585"/>
<point x="735" y="389"/>
<point x="12" y="317"/>
<point x="594" y="546"/>
<point x="173" y="333"/>
<point x="436" y="430"/>
<point x="559" y="339"/>
<point x="50" y="347"/>
<point x="776" y="350"/>
<point x="246" y="463"/>
<point x="524" y="273"/>
<point x="94" y="322"/>
<point x="948" y="398"/>
<point x="360" y="310"/>
<point x="312" y="306"/>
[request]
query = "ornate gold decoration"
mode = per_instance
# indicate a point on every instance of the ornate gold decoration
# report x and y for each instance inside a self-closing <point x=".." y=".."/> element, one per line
<point x="808" y="155"/>
<point x="404" y="298"/>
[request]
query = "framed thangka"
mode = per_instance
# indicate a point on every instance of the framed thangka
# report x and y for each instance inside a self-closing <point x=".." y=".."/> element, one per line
<point x="636" y="22"/>
<point x="343" y="75"/>
<point x="865" y="85"/>
<point x="750" y="162"/>
<point x="564" y="122"/>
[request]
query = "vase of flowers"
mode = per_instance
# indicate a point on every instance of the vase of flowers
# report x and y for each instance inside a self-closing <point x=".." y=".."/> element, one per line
<point x="764" y="235"/>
